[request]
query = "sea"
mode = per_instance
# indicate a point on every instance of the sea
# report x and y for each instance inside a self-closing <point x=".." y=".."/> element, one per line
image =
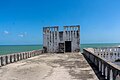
<point x="9" y="49"/>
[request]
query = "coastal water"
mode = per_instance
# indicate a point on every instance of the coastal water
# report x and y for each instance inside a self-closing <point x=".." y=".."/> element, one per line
<point x="9" y="49"/>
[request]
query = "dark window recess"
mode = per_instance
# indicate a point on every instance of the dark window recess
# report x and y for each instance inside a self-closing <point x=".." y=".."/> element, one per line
<point x="61" y="47"/>
<point x="67" y="46"/>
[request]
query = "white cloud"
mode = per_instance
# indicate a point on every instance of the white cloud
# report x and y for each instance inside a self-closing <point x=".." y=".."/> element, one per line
<point x="6" y="32"/>
<point x="22" y="34"/>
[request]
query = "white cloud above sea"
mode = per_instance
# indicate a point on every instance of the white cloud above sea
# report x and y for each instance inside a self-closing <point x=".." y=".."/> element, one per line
<point x="19" y="34"/>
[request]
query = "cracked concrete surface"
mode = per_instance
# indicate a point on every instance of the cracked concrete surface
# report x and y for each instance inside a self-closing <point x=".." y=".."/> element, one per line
<point x="68" y="66"/>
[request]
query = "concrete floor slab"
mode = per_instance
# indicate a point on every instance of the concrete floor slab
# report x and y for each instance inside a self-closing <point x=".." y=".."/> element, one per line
<point x="68" y="66"/>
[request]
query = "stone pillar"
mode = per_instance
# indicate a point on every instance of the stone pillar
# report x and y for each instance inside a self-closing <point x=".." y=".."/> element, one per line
<point x="18" y="57"/>
<point x="102" y="68"/>
<point x="15" y="57"/>
<point x="30" y="54"/>
<point x="108" y="73"/>
<point x="6" y="57"/>
<point x="54" y="40"/>
<point x="99" y="65"/>
<point x="48" y="40"/>
<point x="93" y="58"/>
<point x="0" y="61"/>
<point x="115" y="73"/>
<point x="3" y="60"/>
<point x="24" y="55"/>
<point x="10" y="58"/>
<point x="111" y="74"/>
<point x="70" y="34"/>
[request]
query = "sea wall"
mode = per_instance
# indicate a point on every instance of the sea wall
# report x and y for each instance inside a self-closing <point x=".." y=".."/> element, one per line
<point x="109" y="70"/>
<point x="11" y="58"/>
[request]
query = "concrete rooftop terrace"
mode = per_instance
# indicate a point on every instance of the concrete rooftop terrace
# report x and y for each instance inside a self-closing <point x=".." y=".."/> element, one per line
<point x="68" y="66"/>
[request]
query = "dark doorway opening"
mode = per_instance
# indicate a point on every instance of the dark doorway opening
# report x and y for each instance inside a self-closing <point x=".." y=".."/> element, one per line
<point x="67" y="46"/>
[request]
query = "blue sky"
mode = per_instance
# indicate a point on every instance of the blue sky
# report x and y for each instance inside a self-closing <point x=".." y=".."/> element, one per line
<point x="21" y="21"/>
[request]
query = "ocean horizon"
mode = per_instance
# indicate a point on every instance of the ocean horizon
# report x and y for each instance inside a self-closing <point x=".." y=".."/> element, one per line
<point x="9" y="49"/>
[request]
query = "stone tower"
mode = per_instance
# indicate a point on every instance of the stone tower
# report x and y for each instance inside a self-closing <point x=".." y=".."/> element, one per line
<point x="55" y="41"/>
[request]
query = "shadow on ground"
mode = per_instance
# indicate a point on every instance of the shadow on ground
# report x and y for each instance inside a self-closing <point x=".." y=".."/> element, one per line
<point x="95" y="69"/>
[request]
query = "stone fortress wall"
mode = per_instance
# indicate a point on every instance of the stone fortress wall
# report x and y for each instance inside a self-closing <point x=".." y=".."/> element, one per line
<point x="109" y="53"/>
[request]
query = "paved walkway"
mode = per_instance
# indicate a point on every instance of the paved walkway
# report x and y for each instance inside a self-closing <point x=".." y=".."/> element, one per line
<point x="49" y="67"/>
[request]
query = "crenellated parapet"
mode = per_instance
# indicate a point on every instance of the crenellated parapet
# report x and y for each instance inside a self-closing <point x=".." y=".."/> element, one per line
<point x="11" y="58"/>
<point x="106" y="68"/>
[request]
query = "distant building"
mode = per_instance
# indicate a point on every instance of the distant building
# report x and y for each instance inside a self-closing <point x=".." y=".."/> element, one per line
<point x="55" y="41"/>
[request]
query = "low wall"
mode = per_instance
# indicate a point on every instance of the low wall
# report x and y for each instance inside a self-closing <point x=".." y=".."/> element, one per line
<point x="11" y="58"/>
<point x="109" y="70"/>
